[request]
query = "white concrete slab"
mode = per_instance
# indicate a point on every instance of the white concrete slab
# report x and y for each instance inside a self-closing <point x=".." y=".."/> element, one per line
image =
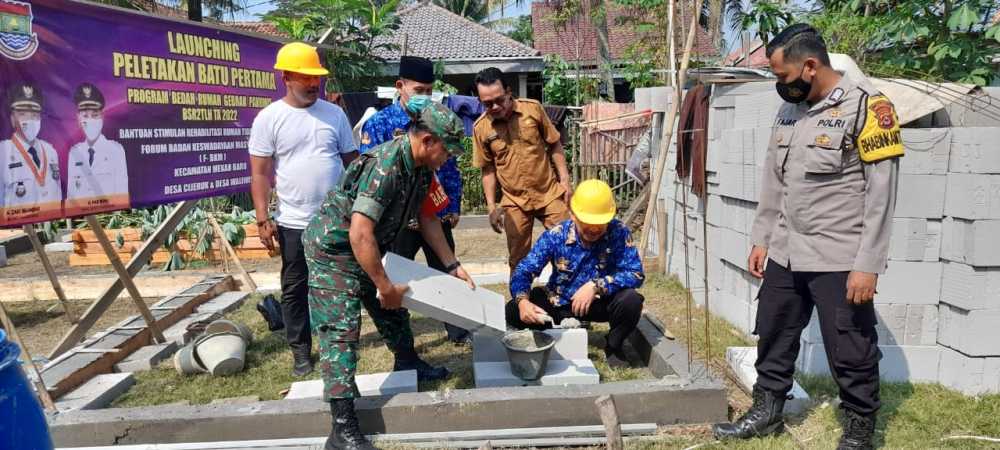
<point x="974" y="150"/>
<point x="224" y="303"/>
<point x="372" y="384"/>
<point x="557" y="373"/>
<point x="920" y="196"/>
<point x="742" y="360"/>
<point x="915" y="363"/>
<point x="969" y="375"/>
<point x="570" y="344"/>
<point x="974" y="333"/>
<point x="970" y="287"/>
<point x="446" y="298"/>
<point x="973" y="196"/>
<point x="911" y="283"/>
<point x="97" y="393"/>
<point x="971" y="242"/>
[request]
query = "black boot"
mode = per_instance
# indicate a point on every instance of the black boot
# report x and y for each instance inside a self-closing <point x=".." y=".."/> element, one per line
<point x="858" y="431"/>
<point x="346" y="434"/>
<point x="408" y="360"/>
<point x="303" y="364"/>
<point x="764" y="418"/>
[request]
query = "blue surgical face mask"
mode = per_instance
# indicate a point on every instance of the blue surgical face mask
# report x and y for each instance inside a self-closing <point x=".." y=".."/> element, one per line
<point x="417" y="103"/>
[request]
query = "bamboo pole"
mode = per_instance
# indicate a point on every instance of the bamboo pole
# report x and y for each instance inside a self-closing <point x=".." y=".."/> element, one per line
<point x="226" y="248"/>
<point x="668" y="129"/>
<point x="50" y="271"/>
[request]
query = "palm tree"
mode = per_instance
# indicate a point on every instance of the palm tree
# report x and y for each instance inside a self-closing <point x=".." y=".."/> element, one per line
<point x="474" y="10"/>
<point x="714" y="13"/>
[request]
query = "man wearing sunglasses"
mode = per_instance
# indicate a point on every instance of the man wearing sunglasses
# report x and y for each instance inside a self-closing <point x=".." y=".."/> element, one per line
<point x="516" y="145"/>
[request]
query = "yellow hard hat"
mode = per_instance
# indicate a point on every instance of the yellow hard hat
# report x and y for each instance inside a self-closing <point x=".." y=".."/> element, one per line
<point x="300" y="58"/>
<point x="593" y="203"/>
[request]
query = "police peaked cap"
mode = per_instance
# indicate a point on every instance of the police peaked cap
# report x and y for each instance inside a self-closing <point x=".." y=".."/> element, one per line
<point x="87" y="96"/>
<point x="24" y="97"/>
<point x="416" y="68"/>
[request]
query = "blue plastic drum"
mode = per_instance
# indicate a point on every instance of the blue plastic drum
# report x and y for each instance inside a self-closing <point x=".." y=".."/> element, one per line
<point x="22" y="420"/>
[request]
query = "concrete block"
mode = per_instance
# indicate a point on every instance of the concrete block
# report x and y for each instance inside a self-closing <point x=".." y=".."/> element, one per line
<point x="970" y="288"/>
<point x="557" y="373"/>
<point x="971" y="242"/>
<point x="446" y="298"/>
<point x="385" y="383"/>
<point x="973" y="196"/>
<point x="570" y="344"/>
<point x="97" y="393"/>
<point x="915" y="240"/>
<point x="179" y="333"/>
<point x="58" y="247"/>
<point x="147" y="357"/>
<point x="715" y="213"/>
<point x="914" y="363"/>
<point x="920" y="196"/>
<point x="735" y="310"/>
<point x="741" y="360"/>
<point x="974" y="333"/>
<point x="732" y="146"/>
<point x="762" y="139"/>
<point x="911" y="283"/>
<point x="225" y="303"/>
<point x="721" y="117"/>
<point x="969" y="375"/>
<point x="974" y="150"/>
<point x="927" y="151"/>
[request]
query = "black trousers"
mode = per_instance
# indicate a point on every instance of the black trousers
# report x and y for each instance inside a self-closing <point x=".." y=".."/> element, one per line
<point x="622" y="311"/>
<point x="786" y="303"/>
<point x="294" y="290"/>
<point x="409" y="242"/>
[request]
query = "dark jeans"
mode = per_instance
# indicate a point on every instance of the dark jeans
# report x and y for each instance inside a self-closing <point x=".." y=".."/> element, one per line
<point x="622" y="311"/>
<point x="786" y="304"/>
<point x="294" y="290"/>
<point x="409" y="242"/>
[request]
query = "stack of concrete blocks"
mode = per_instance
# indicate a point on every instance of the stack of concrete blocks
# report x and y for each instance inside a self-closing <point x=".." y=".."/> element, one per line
<point x="939" y="301"/>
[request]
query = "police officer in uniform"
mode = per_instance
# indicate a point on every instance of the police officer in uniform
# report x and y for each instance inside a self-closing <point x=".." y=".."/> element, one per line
<point x="29" y="177"/>
<point x="97" y="172"/>
<point x="822" y="227"/>
<point x="415" y="85"/>
<point x="344" y="243"/>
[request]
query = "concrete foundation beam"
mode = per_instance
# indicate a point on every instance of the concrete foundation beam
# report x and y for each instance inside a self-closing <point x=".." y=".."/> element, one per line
<point x="96" y="393"/>
<point x="147" y="357"/>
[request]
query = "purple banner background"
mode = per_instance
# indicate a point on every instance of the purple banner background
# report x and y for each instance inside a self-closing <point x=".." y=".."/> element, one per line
<point x="76" y="45"/>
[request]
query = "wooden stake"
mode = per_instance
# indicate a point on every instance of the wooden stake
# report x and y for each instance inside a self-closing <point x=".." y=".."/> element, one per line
<point x="668" y="129"/>
<point x="40" y="250"/>
<point x="609" y="417"/>
<point x="226" y="248"/>
<point x="661" y="234"/>
<point x="43" y="393"/>
<point x="126" y="279"/>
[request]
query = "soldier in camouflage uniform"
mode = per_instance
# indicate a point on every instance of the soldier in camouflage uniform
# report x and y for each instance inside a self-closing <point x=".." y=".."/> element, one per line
<point x="377" y="197"/>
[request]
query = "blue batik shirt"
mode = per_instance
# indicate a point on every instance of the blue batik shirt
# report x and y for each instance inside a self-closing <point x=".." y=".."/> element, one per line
<point x="393" y="121"/>
<point x="612" y="263"/>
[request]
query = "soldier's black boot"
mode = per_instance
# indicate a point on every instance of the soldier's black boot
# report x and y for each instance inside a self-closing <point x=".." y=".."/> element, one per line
<point x="858" y="431"/>
<point x="762" y="419"/>
<point x="303" y="364"/>
<point x="408" y="360"/>
<point x="346" y="434"/>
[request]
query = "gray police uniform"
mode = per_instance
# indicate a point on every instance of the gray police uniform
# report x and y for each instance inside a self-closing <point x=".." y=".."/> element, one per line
<point x="827" y="198"/>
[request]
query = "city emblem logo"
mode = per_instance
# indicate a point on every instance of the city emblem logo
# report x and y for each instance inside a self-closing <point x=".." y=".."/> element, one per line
<point x="17" y="40"/>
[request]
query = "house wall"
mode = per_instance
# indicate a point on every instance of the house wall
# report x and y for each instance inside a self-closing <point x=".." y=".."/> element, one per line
<point x="938" y="304"/>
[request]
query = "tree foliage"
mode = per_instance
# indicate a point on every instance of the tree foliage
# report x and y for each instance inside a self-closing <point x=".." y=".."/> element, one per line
<point x="474" y="10"/>
<point x="354" y="28"/>
<point x="522" y="31"/>
<point x="563" y="86"/>
<point x="767" y="17"/>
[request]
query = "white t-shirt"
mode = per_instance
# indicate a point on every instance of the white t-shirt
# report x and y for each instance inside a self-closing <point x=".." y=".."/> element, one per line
<point x="306" y="144"/>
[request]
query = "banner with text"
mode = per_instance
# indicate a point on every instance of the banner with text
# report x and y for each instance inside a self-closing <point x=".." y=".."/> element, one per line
<point x="104" y="109"/>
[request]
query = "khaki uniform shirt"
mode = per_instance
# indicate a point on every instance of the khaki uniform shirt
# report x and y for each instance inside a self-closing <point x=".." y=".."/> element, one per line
<point x="828" y="189"/>
<point x="519" y="149"/>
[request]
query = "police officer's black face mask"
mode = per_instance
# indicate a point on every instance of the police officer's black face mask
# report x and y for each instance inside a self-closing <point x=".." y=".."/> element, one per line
<point x="795" y="91"/>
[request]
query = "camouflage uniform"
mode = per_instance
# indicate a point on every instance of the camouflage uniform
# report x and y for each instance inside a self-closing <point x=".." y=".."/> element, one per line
<point x="385" y="185"/>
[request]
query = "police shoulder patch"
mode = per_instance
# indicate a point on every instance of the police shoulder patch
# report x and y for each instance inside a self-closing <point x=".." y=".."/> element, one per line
<point x="880" y="137"/>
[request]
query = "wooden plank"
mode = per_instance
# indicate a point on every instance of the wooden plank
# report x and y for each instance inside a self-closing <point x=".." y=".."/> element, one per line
<point x="106" y="363"/>
<point x="29" y="229"/>
<point x="229" y="249"/>
<point x="612" y="426"/>
<point x="97" y="309"/>
<point x="126" y="279"/>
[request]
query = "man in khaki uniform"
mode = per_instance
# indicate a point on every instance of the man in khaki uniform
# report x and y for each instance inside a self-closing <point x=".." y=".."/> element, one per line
<point x="516" y="143"/>
<point x="823" y="222"/>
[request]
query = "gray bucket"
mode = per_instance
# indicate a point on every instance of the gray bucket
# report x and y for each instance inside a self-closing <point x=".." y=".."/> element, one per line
<point x="528" y="353"/>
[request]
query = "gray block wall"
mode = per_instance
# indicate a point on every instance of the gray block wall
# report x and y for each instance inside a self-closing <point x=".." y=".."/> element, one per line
<point x="938" y="304"/>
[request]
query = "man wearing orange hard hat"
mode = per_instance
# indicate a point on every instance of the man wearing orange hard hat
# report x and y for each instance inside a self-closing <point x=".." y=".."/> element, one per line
<point x="595" y="273"/>
<point x="304" y="143"/>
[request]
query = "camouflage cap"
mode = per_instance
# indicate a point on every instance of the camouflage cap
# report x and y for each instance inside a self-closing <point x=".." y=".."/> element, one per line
<point x="445" y="124"/>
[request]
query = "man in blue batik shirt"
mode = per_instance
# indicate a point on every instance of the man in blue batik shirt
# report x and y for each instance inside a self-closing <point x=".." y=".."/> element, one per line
<point x="595" y="272"/>
<point x="415" y="85"/>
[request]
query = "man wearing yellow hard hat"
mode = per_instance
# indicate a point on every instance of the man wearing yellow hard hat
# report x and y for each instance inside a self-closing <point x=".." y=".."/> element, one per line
<point x="595" y="272"/>
<point x="303" y="143"/>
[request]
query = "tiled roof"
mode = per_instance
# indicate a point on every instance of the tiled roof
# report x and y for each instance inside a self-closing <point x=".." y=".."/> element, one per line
<point x="438" y="34"/>
<point x="267" y="28"/>
<point x="159" y="9"/>
<point x="577" y="41"/>
<point x="758" y="56"/>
